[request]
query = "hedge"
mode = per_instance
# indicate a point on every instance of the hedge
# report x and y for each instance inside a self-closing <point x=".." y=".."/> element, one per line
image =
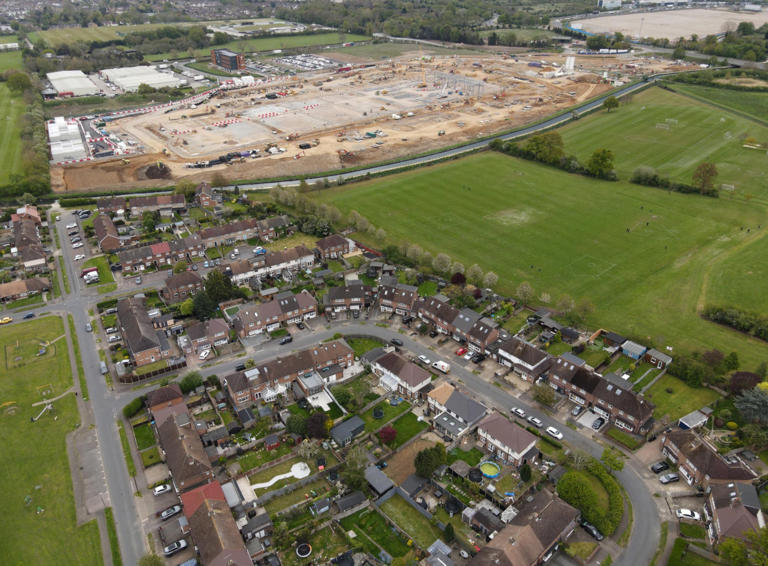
<point x="133" y="407"/>
<point x="615" y="499"/>
<point x="75" y="202"/>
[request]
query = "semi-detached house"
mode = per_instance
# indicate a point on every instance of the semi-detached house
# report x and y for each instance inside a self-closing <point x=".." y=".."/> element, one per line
<point x="354" y="296"/>
<point x="400" y="375"/>
<point x="279" y="263"/>
<point x="106" y="233"/>
<point x="181" y="286"/>
<point x="526" y="360"/>
<point x="399" y="299"/>
<point x="506" y="441"/>
<point x="333" y="247"/>
<point x="285" y="308"/>
<point x="454" y="414"/>
<point x="145" y="344"/>
<point x="162" y="254"/>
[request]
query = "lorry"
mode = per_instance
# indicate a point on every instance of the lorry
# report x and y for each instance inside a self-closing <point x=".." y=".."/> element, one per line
<point x="444" y="367"/>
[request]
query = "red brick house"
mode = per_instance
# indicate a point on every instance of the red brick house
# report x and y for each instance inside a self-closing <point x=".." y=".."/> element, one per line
<point x="333" y="247"/>
<point x="106" y="233"/>
<point x="180" y="286"/>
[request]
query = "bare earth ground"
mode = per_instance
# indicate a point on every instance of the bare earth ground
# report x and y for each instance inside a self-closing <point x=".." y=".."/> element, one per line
<point x="672" y="24"/>
<point x="464" y="97"/>
<point x="400" y="466"/>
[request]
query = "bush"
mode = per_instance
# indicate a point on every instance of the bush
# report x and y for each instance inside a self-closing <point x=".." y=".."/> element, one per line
<point x="133" y="407"/>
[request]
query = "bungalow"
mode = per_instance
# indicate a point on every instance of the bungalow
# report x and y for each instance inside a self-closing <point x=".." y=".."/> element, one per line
<point x="145" y="344"/>
<point x="344" y="432"/>
<point x="506" y="441"/>
<point x="699" y="462"/>
<point x="21" y="288"/>
<point x="526" y="360"/>
<point x="400" y="375"/>
<point x="658" y="359"/>
<point x="333" y="247"/>
<point x="180" y="287"/>
<point x="733" y="511"/>
<point x="106" y="233"/>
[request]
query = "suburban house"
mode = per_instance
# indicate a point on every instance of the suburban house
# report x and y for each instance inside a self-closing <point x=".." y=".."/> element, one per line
<point x="506" y="441"/>
<point x="344" y="432"/>
<point x="27" y="211"/>
<point x="145" y="344"/>
<point x="454" y="413"/>
<point x="609" y="398"/>
<point x="399" y="298"/>
<point x="21" y="288"/>
<point x="184" y="453"/>
<point x="204" y="196"/>
<point x="699" y="463"/>
<point x="205" y="335"/>
<point x="483" y="333"/>
<point x="242" y="230"/>
<point x="214" y="530"/>
<point x="167" y="205"/>
<point x="439" y="313"/>
<point x="398" y="374"/>
<point x="531" y="536"/>
<point x="162" y="254"/>
<point x="283" y="262"/>
<point x="269" y="379"/>
<point x="240" y="271"/>
<point x="28" y="245"/>
<point x="333" y="247"/>
<point x="733" y="510"/>
<point x="284" y="308"/>
<point x="354" y="296"/>
<point x="526" y="360"/>
<point x="658" y="359"/>
<point x="180" y="287"/>
<point x="105" y="205"/>
<point x="482" y="521"/>
<point x="166" y="401"/>
<point x="106" y="233"/>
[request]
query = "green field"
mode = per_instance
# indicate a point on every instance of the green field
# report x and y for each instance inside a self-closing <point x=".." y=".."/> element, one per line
<point x="33" y="457"/>
<point x="568" y="234"/>
<point x="60" y="36"/>
<point x="267" y="44"/>
<point x="752" y="103"/>
<point x="11" y="108"/>
<point x="10" y="60"/>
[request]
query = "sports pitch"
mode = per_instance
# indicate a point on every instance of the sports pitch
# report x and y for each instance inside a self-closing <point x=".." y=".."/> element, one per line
<point x="33" y="457"/>
<point x="645" y="257"/>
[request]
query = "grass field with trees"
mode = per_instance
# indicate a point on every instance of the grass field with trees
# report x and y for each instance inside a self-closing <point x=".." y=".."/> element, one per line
<point x="33" y="456"/>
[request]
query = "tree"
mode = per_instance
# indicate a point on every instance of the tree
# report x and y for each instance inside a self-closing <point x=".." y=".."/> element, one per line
<point x="343" y="397"/>
<point x="740" y="381"/>
<point x="219" y="287"/>
<point x="731" y="361"/>
<point x="525" y="473"/>
<point x="186" y="188"/>
<point x="679" y="52"/>
<point x="429" y="459"/>
<point x="457" y="267"/>
<point x="414" y="252"/>
<point x="18" y="82"/>
<point x="612" y="459"/>
<point x="190" y="382"/>
<point x="610" y="103"/>
<point x="574" y="488"/>
<point x="565" y="304"/>
<point x="387" y="434"/>
<point x="762" y="370"/>
<point x="151" y="560"/>
<point x="524" y="292"/>
<point x="203" y="307"/>
<point x="187" y="307"/>
<point x="458" y="279"/>
<point x="144" y="88"/>
<point x="381" y="234"/>
<point x="753" y="405"/>
<point x="547" y="147"/>
<point x="543" y="394"/>
<point x="490" y="279"/>
<point x="449" y="533"/>
<point x="600" y="163"/>
<point x="755" y="436"/>
<point x="474" y="273"/>
<point x="149" y="221"/>
<point x="296" y="424"/>
<point x="353" y="472"/>
<point x="750" y="552"/>
<point x="704" y="176"/>
<point x="180" y="267"/>
<point x="579" y="459"/>
<point x="317" y="426"/>
<point x="441" y="263"/>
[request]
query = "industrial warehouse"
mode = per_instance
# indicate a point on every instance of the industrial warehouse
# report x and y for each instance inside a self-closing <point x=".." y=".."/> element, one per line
<point x="128" y="79"/>
<point x="72" y="83"/>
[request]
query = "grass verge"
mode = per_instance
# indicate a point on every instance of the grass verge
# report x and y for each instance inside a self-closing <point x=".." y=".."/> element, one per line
<point x="114" y="543"/>
<point x="78" y="359"/>
<point x="126" y="449"/>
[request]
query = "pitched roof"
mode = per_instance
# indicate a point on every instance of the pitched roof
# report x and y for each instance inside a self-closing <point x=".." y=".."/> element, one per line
<point x="348" y="292"/>
<point x="216" y="535"/>
<point x="377" y="480"/>
<point x="462" y="406"/>
<point x="170" y="392"/>
<point x="624" y="399"/>
<point x="349" y="501"/>
<point x="661" y="356"/>
<point x="19" y="286"/>
<point x="441" y="393"/>
<point x="705" y="458"/>
<point x="272" y="259"/>
<point x="405" y="370"/>
<point x="183" y="279"/>
<point x="103" y="227"/>
<point x="524" y="351"/>
<point x="193" y="498"/>
<point x="332" y="241"/>
<point x="184" y="452"/>
<point x="158" y="200"/>
<point x="345" y="428"/>
<point x="508" y="433"/>
<point x="135" y="325"/>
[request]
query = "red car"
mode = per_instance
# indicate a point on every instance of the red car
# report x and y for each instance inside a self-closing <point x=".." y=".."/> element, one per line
<point x="461" y="351"/>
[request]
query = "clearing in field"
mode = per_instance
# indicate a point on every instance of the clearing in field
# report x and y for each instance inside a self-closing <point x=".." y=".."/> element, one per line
<point x="38" y="524"/>
<point x="640" y="255"/>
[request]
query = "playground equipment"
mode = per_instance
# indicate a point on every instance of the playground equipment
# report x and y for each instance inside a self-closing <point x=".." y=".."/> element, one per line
<point x="48" y="407"/>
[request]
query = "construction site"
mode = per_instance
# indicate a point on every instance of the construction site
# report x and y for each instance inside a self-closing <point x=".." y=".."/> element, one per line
<point x="355" y="114"/>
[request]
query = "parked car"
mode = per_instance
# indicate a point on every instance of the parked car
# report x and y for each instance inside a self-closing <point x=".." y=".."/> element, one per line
<point x="77" y="245"/>
<point x="71" y="225"/>
<point x="204" y="354"/>
<point x="576" y="411"/>
<point x="598" y="423"/>
<point x="240" y="367"/>
<point x="433" y="333"/>
<point x="669" y="478"/>
<point x="194" y="267"/>
<point x="161" y="489"/>
<point x="138" y="280"/>
<point x="259" y="251"/>
<point x="535" y="422"/>
<point x="519" y="412"/>
<point x="75" y="239"/>
<point x="397" y="341"/>
<point x="425" y="360"/>
<point x="286" y="340"/>
<point x="88" y="327"/>
<point x="468" y="355"/>
<point x="111" y="330"/>
<point x="114" y="338"/>
<point x="592" y="530"/>
<point x="175" y="547"/>
<point x="553" y="432"/>
<point x="29" y="315"/>
<point x="170" y="512"/>
<point x="688" y="514"/>
<point x="461" y="351"/>
<point x="477" y="358"/>
<point x="300" y="325"/>
<point x="78" y="257"/>
<point x="206" y="264"/>
<point x="659" y="467"/>
<point x="6" y="320"/>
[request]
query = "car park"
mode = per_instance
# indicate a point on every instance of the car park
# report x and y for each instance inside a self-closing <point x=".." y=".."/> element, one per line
<point x="659" y="467"/>
<point x="77" y="245"/>
<point x="72" y="225"/>
<point x="688" y="514"/>
<point x="175" y="547"/>
<point x="669" y="478"/>
<point x="170" y="512"/>
<point x="598" y="423"/>
<point x="553" y="432"/>
<point x="161" y="489"/>
<point x="204" y="354"/>
<point x="397" y="341"/>
<point x="592" y="530"/>
<point x="519" y="412"/>
<point x="425" y="360"/>
<point x="286" y="340"/>
<point x="78" y="257"/>
<point x="535" y="422"/>
<point x="576" y="411"/>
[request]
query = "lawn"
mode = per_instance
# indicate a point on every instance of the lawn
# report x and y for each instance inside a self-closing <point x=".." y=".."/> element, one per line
<point x="680" y="557"/>
<point x="363" y="345"/>
<point x="471" y="457"/>
<point x="369" y="523"/>
<point x="359" y="390"/>
<point x="10" y="60"/>
<point x="752" y="103"/>
<point x="643" y="256"/>
<point x="691" y="530"/>
<point x="260" y="456"/>
<point x="681" y="401"/>
<point x="68" y="35"/>
<point x="144" y="436"/>
<point x="297" y="239"/>
<point x="390" y="412"/>
<point x="407" y="427"/>
<point x="33" y="456"/>
<point x="326" y="543"/>
<point x="11" y="109"/>
<point x="150" y="457"/>
<point x="101" y="263"/>
<point x="411" y="521"/>
<point x="276" y="504"/>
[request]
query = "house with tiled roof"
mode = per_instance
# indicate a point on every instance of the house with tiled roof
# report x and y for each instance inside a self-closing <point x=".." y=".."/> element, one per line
<point x="284" y="308"/>
<point x="204" y="196"/>
<point x="699" y="463"/>
<point x="106" y="233"/>
<point x="21" y="288"/>
<point x="505" y="440"/>
<point x="181" y="286"/>
<point x="216" y="535"/>
<point x="291" y="260"/>
<point x="165" y="204"/>
<point x="454" y="413"/>
<point x="399" y="298"/>
<point x="144" y="343"/>
<point x="333" y="247"/>
<point x="354" y="296"/>
<point x="106" y="205"/>
<point x="733" y="510"/>
<point x="437" y="312"/>
<point x="526" y="360"/>
<point x="184" y="453"/>
<point x="398" y="374"/>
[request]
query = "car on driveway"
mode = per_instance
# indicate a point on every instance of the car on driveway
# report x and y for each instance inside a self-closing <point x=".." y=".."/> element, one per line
<point x="204" y="354"/>
<point x="77" y="245"/>
<point x="519" y="412"/>
<point x="659" y="467"/>
<point x="553" y="432"/>
<point x="598" y="423"/>
<point x="468" y="355"/>
<point x="535" y="422"/>
<point x="170" y="512"/>
<point x="300" y="325"/>
<point x="669" y="478"/>
<point x="6" y="320"/>
<point x="425" y="360"/>
<point x="592" y="530"/>
<point x="688" y="514"/>
<point x="433" y="333"/>
<point x="78" y="257"/>
<point x="461" y="351"/>
<point x="175" y="547"/>
<point x="397" y="341"/>
<point x="161" y="489"/>
<point x="576" y="411"/>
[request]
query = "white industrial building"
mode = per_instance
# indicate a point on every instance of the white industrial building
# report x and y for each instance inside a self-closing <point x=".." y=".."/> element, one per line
<point x="72" y="83"/>
<point x="9" y="46"/>
<point x="129" y="78"/>
<point x="66" y="142"/>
